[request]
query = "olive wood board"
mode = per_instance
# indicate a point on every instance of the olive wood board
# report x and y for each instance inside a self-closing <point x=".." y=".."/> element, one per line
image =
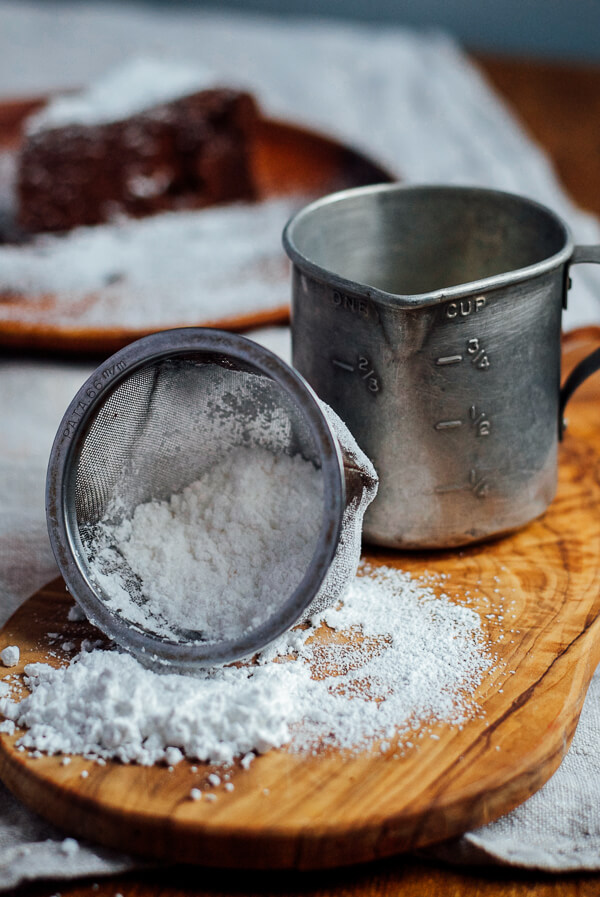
<point x="287" y="160"/>
<point x="328" y="809"/>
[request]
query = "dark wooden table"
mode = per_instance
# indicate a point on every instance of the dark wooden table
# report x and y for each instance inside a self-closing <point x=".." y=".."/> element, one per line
<point x="560" y="107"/>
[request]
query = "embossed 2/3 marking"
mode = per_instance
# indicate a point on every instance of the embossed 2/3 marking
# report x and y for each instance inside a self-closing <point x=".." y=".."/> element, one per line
<point x="343" y="365"/>
<point x="478" y="484"/>
<point x="364" y="369"/>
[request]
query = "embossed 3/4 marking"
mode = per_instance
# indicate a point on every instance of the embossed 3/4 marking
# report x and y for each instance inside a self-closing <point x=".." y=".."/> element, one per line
<point x="364" y="369"/>
<point x="478" y="484"/>
<point x="449" y="359"/>
<point x="464" y="307"/>
<point x="479" y="356"/>
<point x="476" y="354"/>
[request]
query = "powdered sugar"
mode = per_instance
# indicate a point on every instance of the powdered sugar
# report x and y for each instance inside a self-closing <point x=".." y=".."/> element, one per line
<point x="10" y="655"/>
<point x="218" y="558"/>
<point x="133" y="87"/>
<point x="106" y="704"/>
<point x="168" y="269"/>
<point x="399" y="660"/>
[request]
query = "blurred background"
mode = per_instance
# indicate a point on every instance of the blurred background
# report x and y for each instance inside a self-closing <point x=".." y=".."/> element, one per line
<point x="558" y="29"/>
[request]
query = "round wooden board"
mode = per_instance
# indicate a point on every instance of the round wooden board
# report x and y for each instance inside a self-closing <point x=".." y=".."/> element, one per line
<point x="287" y="160"/>
<point x="289" y="810"/>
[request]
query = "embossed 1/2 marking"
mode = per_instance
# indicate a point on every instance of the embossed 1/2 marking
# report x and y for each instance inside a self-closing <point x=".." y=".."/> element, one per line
<point x="364" y="369"/>
<point x="448" y="424"/>
<point x="478" y="484"/>
<point x="449" y="359"/>
<point x="480" y="421"/>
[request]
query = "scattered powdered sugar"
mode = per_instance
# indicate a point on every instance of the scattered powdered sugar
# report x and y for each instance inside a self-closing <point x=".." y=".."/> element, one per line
<point x="173" y="268"/>
<point x="10" y="655"/>
<point x="405" y="657"/>
<point x="131" y="88"/>
<point x="217" y="558"/>
<point x="392" y="660"/>
<point x="69" y="847"/>
<point x="76" y="615"/>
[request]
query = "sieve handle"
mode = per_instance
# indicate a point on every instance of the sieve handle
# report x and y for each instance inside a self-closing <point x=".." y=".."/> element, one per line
<point x="591" y="363"/>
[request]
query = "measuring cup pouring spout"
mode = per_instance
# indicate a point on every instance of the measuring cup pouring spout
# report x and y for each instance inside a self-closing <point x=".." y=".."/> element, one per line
<point x="429" y="318"/>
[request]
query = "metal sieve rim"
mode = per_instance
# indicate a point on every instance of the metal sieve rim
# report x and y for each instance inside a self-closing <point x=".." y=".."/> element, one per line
<point x="64" y="535"/>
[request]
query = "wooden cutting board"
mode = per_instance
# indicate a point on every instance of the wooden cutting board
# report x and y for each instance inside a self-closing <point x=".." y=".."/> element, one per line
<point x="287" y="160"/>
<point x="298" y="811"/>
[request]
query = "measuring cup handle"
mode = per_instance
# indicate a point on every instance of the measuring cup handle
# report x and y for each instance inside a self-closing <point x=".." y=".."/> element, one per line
<point x="591" y="363"/>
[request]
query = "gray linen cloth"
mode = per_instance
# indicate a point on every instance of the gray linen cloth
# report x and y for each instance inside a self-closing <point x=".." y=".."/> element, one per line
<point x="414" y="102"/>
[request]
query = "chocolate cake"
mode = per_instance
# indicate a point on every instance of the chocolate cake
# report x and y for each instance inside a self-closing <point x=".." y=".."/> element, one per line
<point x="77" y="168"/>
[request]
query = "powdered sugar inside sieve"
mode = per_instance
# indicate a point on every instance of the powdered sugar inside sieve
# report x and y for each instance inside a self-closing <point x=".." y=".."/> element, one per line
<point x="196" y="498"/>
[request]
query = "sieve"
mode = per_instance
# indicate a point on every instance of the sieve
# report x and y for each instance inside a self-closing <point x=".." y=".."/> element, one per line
<point x="429" y="318"/>
<point x="154" y="418"/>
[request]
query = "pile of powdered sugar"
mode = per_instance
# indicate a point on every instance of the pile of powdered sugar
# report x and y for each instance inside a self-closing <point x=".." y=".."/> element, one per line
<point x="217" y="558"/>
<point x="172" y="268"/>
<point x="391" y="660"/>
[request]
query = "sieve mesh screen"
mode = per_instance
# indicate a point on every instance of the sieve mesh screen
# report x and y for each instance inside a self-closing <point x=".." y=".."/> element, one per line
<point x="162" y="428"/>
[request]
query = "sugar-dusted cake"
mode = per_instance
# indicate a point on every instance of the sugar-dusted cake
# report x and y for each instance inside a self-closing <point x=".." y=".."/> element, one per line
<point x="150" y="136"/>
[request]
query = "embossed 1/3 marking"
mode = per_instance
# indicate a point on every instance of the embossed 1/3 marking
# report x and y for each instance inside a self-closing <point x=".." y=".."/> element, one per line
<point x="479" y="485"/>
<point x="364" y="369"/>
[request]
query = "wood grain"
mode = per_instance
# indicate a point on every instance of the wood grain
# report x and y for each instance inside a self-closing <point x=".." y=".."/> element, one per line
<point x="332" y="809"/>
<point x="286" y="160"/>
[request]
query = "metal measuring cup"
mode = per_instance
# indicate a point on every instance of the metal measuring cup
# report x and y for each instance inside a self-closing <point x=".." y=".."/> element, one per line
<point x="429" y="318"/>
<point x="153" y="418"/>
